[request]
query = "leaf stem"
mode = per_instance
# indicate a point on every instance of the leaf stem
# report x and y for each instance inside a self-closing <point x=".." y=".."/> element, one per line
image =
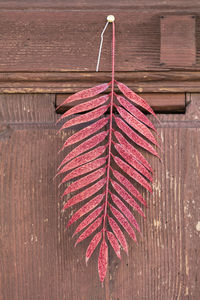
<point x="110" y="131"/>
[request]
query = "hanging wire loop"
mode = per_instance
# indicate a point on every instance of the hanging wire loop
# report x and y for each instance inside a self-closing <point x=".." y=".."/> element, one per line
<point x="100" y="47"/>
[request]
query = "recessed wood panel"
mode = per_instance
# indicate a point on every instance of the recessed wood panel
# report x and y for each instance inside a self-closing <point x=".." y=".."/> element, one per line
<point x="178" y="41"/>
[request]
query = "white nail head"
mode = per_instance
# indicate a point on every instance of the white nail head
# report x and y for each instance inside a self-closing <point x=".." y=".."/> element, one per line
<point x="110" y="18"/>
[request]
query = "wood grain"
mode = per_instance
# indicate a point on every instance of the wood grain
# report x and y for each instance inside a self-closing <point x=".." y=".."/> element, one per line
<point x="96" y="5"/>
<point x="71" y="82"/>
<point x="178" y="40"/>
<point x="56" y="41"/>
<point x="38" y="260"/>
<point x="40" y="110"/>
<point x="51" y="47"/>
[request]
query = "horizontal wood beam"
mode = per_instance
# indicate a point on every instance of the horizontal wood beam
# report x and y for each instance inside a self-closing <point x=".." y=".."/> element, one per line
<point x="175" y="5"/>
<point x="71" y="82"/>
<point x="159" y="102"/>
<point x="56" y="40"/>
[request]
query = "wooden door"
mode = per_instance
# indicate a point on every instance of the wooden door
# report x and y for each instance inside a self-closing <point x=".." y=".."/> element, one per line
<point x="49" y="49"/>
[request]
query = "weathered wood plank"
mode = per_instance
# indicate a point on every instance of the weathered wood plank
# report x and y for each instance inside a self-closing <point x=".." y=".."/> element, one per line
<point x="169" y="251"/>
<point x="37" y="263"/>
<point x="56" y="41"/>
<point x="38" y="260"/>
<point x="20" y="108"/>
<point x="30" y="41"/>
<point x="96" y="5"/>
<point x="36" y="250"/>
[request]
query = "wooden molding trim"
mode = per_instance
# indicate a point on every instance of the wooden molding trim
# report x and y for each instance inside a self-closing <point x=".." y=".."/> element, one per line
<point x="71" y="82"/>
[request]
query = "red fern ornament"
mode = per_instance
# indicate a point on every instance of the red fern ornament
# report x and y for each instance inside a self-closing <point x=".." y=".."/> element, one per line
<point x="89" y="166"/>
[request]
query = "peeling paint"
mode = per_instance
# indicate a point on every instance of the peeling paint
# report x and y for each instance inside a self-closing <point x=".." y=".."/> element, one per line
<point x="34" y="238"/>
<point x="157" y="223"/>
<point x="198" y="226"/>
<point x="186" y="265"/>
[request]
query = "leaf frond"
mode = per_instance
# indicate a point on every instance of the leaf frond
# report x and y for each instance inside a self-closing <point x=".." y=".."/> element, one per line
<point x="103" y="168"/>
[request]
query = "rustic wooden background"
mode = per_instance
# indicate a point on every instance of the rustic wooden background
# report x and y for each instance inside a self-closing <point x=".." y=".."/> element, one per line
<point x="49" y="48"/>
